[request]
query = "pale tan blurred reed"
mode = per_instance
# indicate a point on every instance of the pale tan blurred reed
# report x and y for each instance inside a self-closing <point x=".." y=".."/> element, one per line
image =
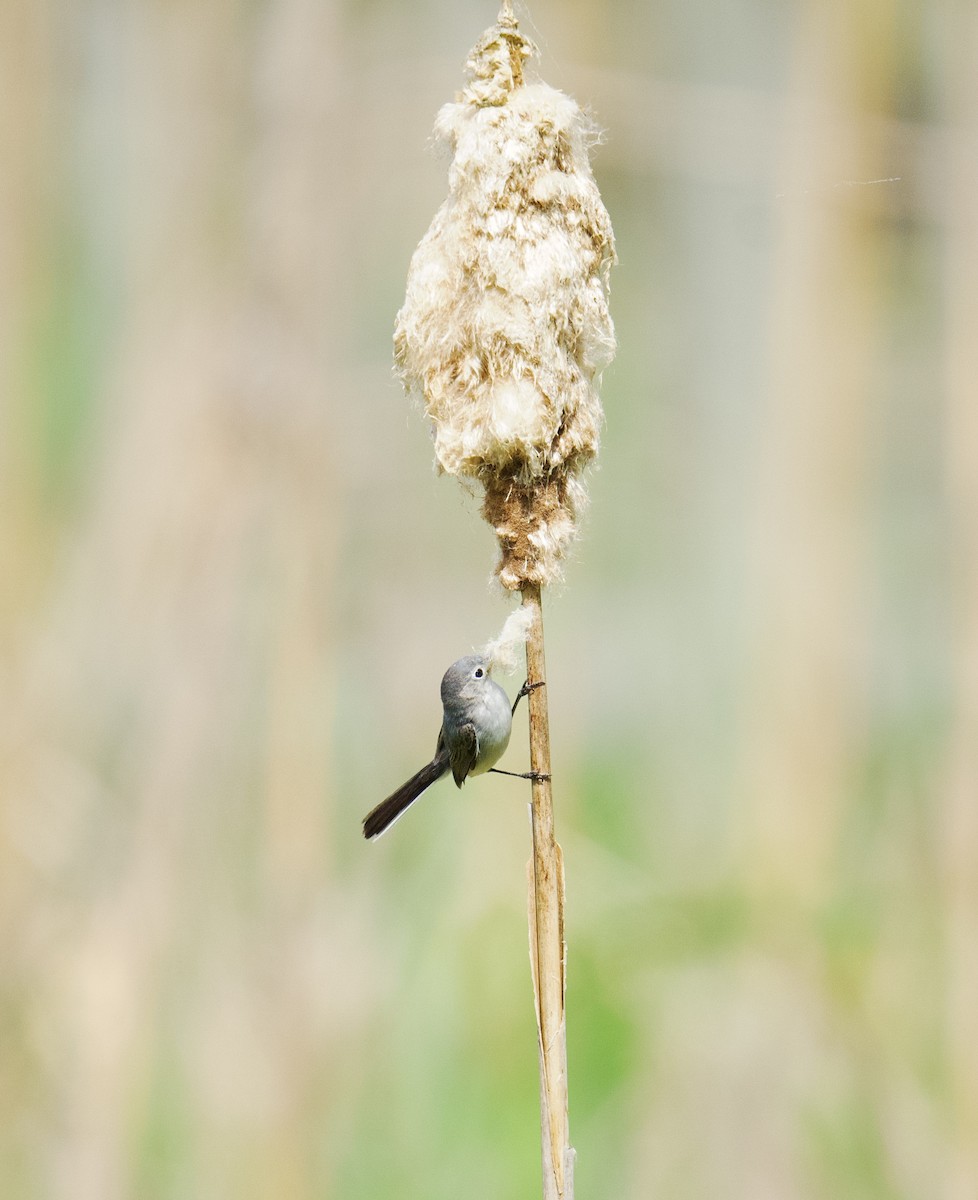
<point x="220" y="566"/>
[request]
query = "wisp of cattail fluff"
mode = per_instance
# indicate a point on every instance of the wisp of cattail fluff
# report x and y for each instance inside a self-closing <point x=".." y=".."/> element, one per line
<point x="504" y="652"/>
<point x="505" y="327"/>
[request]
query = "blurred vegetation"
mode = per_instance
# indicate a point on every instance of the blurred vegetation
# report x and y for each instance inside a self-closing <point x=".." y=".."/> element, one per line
<point x="231" y="583"/>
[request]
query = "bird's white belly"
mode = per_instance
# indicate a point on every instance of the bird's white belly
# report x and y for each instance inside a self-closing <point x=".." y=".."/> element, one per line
<point x="496" y="725"/>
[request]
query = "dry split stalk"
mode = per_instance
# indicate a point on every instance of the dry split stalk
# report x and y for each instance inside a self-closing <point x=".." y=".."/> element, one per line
<point x="546" y="922"/>
<point x="503" y="335"/>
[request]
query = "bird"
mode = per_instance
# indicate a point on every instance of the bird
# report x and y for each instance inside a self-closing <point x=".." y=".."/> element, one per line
<point x="474" y="734"/>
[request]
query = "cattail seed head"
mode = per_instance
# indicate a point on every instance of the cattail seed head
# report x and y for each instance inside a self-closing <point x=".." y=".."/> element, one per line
<point x="505" y="327"/>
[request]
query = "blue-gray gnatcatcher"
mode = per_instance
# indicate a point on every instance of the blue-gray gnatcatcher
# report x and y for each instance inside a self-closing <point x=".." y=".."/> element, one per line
<point x="474" y="733"/>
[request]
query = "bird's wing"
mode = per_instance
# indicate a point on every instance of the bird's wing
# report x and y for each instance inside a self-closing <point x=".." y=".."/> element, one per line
<point x="463" y="752"/>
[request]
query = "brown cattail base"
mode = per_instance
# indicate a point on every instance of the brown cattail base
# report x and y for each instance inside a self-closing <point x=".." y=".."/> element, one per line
<point x="535" y="522"/>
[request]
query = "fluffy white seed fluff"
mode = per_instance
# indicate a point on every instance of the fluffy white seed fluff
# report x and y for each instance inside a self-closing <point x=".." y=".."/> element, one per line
<point x="505" y="327"/>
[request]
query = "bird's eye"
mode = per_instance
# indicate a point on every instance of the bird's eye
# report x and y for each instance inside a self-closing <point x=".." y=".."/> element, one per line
<point x="479" y="672"/>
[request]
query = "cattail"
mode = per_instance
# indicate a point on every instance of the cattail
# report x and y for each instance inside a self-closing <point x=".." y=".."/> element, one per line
<point x="502" y="337"/>
<point x="505" y="326"/>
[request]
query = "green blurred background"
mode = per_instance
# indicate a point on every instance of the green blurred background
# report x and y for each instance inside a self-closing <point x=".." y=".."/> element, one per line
<point x="230" y="583"/>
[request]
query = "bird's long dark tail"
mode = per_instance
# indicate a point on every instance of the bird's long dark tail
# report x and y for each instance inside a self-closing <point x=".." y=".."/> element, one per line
<point x="387" y="811"/>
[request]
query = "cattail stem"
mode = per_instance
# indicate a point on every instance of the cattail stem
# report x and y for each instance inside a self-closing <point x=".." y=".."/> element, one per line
<point x="546" y="921"/>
